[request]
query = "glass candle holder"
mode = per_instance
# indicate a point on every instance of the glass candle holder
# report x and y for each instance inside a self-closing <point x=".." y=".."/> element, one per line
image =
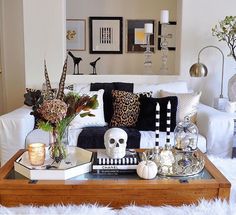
<point x="36" y="153"/>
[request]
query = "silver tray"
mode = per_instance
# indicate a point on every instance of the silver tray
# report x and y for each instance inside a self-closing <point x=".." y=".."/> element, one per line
<point x="186" y="164"/>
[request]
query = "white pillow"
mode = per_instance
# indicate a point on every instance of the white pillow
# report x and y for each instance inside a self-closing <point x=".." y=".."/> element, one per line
<point x="187" y="104"/>
<point x="177" y="87"/>
<point x="81" y="88"/>
<point x="87" y="121"/>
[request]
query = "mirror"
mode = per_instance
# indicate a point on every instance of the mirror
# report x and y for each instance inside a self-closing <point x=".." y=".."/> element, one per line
<point x="130" y="63"/>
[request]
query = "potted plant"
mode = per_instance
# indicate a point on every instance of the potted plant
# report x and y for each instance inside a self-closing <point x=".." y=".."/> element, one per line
<point x="55" y="112"/>
<point x="226" y="31"/>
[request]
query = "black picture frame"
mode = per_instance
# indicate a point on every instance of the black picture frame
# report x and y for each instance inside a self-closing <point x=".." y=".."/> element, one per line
<point x="171" y="28"/>
<point x="131" y="25"/>
<point x="105" y="35"/>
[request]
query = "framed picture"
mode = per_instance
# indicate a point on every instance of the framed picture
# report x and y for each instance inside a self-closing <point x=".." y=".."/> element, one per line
<point x="105" y="35"/>
<point x="171" y="31"/>
<point x="75" y="34"/>
<point x="135" y="35"/>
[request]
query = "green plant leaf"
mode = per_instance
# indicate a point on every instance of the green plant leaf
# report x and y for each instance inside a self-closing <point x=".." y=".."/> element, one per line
<point x="46" y="126"/>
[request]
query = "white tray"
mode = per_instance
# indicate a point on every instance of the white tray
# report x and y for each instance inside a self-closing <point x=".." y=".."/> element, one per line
<point x="78" y="161"/>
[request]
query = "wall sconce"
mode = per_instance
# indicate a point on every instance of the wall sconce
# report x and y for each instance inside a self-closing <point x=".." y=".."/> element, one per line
<point x="200" y="70"/>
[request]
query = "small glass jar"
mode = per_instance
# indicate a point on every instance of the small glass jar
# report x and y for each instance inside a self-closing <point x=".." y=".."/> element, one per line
<point x="36" y="153"/>
<point x="186" y="136"/>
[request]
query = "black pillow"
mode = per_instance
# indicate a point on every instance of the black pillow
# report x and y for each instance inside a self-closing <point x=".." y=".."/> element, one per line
<point x="107" y="96"/>
<point x="147" y="115"/>
<point x="32" y="97"/>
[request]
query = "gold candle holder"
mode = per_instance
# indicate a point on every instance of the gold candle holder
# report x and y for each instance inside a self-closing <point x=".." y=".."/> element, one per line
<point x="36" y="153"/>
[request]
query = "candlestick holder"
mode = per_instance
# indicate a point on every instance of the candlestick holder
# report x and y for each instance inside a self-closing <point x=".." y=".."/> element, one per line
<point x="148" y="54"/>
<point x="164" y="48"/>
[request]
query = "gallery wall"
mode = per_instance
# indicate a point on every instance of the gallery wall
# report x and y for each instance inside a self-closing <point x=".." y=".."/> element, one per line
<point x="23" y="56"/>
<point x="126" y="63"/>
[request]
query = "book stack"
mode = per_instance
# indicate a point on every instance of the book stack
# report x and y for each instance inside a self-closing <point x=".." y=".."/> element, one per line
<point x="104" y="165"/>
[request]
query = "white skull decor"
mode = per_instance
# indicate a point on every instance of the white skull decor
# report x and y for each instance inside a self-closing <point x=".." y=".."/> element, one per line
<point x="115" y="140"/>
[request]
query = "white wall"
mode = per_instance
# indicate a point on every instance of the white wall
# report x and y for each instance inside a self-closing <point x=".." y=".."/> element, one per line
<point x="198" y="17"/>
<point x="12" y="54"/>
<point x="44" y="38"/>
<point x="126" y="63"/>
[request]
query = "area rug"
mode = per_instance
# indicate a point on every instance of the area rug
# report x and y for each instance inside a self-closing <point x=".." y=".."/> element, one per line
<point x="214" y="207"/>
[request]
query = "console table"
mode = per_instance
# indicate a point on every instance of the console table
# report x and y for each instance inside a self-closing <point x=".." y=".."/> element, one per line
<point x="115" y="191"/>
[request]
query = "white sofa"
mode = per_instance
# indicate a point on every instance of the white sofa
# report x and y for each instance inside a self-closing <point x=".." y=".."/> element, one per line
<point x="215" y="127"/>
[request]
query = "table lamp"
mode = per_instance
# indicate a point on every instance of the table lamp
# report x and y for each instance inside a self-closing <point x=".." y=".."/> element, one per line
<point x="200" y="70"/>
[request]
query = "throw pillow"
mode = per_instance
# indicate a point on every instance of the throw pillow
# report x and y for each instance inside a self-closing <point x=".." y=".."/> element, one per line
<point x="107" y="97"/>
<point x="97" y="120"/>
<point x="126" y="109"/>
<point x="187" y="104"/>
<point x="147" y="115"/>
<point x="146" y="94"/>
<point x="32" y="97"/>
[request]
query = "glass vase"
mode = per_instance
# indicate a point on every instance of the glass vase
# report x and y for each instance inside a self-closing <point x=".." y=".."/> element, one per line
<point x="57" y="147"/>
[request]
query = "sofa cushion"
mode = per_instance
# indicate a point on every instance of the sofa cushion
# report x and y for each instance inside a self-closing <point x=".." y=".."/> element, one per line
<point x="177" y="87"/>
<point x="126" y="109"/>
<point x="32" y="96"/>
<point x="97" y="119"/>
<point x="107" y="97"/>
<point x="187" y="104"/>
<point x="146" y="119"/>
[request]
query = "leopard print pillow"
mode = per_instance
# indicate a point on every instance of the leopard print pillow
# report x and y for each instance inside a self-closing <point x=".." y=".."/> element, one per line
<point x="126" y="109"/>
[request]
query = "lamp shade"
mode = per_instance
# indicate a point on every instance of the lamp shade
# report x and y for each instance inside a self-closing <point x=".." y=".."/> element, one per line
<point x="198" y="70"/>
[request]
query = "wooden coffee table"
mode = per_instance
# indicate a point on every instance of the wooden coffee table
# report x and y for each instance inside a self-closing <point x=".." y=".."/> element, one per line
<point x="114" y="191"/>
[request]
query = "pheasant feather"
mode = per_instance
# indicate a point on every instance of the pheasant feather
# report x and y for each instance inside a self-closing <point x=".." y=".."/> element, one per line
<point x="60" y="93"/>
<point x="48" y="85"/>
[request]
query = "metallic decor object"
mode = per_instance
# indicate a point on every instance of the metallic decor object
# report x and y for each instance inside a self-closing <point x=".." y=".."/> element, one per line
<point x="167" y="155"/>
<point x="200" y="70"/>
<point x="183" y="158"/>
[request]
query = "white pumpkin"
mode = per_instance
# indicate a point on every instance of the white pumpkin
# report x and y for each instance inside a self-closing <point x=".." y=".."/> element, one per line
<point x="147" y="169"/>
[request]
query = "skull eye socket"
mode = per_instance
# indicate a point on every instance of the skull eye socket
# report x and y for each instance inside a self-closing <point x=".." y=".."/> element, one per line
<point x="112" y="141"/>
<point x="121" y="141"/>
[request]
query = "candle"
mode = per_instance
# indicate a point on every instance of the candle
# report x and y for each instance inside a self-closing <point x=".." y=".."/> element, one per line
<point x="164" y="17"/>
<point x="168" y="123"/>
<point x="148" y="28"/>
<point x="36" y="153"/>
<point x="157" y="123"/>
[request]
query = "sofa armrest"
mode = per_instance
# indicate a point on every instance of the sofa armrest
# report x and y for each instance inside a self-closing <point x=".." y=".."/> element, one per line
<point x="14" y="127"/>
<point x="218" y="128"/>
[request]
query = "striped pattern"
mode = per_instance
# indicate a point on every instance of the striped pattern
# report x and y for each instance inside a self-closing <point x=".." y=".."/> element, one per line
<point x="168" y="123"/>
<point x="157" y="124"/>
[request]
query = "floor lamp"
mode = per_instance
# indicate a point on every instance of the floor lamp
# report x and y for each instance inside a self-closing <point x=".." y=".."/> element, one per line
<point x="200" y="70"/>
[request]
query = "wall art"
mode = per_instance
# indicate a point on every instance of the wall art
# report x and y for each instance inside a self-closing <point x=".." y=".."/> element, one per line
<point x="106" y="35"/>
<point x="75" y="34"/>
<point x="135" y="35"/>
